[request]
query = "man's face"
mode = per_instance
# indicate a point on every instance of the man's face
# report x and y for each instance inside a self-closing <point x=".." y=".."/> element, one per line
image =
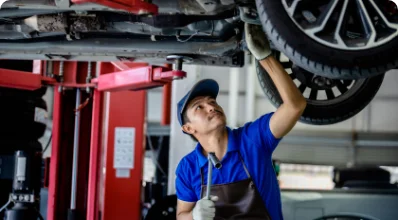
<point x="204" y="115"/>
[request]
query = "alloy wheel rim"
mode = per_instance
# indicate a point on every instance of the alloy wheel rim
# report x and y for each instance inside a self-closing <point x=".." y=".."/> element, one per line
<point x="345" y="24"/>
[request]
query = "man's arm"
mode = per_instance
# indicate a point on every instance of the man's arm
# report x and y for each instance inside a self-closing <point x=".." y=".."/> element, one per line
<point x="187" y="206"/>
<point x="287" y="115"/>
<point x="184" y="210"/>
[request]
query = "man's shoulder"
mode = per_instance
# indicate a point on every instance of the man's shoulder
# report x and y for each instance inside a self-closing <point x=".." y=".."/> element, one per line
<point x="262" y="121"/>
<point x="188" y="160"/>
<point x="263" y="117"/>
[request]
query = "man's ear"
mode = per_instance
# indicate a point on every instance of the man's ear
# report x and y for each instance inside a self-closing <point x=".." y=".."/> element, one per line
<point x="187" y="128"/>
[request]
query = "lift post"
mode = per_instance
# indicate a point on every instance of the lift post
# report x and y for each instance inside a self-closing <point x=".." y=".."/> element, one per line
<point x="109" y="161"/>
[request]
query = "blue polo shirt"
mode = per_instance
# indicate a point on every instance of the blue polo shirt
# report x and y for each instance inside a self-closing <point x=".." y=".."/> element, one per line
<point x="255" y="142"/>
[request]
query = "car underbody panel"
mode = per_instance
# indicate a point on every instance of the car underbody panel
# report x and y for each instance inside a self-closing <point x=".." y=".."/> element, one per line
<point x="46" y="29"/>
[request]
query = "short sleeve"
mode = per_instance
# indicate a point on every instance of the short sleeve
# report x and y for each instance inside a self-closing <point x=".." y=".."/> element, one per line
<point x="260" y="133"/>
<point x="184" y="189"/>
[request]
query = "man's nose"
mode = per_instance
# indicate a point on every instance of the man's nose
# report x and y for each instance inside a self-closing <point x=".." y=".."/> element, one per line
<point x="210" y="108"/>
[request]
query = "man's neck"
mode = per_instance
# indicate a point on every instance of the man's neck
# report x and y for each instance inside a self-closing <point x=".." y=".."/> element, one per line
<point x="216" y="142"/>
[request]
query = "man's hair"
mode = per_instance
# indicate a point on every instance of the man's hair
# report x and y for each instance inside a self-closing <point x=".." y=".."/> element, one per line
<point x="186" y="119"/>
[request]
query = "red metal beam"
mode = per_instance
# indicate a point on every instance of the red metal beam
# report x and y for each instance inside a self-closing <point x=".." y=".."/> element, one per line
<point x="124" y="76"/>
<point x="121" y="66"/>
<point x="166" y="105"/>
<point x="133" y="6"/>
<point x="166" y="101"/>
<point x="137" y="78"/>
<point x="19" y="79"/>
<point x="55" y="156"/>
<point x="125" y="109"/>
<point x="127" y="80"/>
<point x="96" y="152"/>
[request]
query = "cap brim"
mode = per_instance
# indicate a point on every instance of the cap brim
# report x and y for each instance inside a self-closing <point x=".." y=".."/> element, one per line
<point x="206" y="87"/>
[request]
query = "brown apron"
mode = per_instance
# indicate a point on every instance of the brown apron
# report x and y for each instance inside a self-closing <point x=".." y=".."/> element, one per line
<point x="238" y="200"/>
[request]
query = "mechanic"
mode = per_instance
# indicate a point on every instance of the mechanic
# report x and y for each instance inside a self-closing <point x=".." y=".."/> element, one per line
<point x="246" y="186"/>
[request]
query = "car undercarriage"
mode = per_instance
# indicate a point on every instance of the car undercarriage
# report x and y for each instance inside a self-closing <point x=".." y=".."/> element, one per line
<point x="51" y="30"/>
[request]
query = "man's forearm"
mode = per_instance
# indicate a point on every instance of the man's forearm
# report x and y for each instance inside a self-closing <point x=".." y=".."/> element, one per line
<point x="184" y="216"/>
<point x="284" y="84"/>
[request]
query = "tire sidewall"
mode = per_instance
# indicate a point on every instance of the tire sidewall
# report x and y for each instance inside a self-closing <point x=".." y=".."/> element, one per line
<point x="18" y="118"/>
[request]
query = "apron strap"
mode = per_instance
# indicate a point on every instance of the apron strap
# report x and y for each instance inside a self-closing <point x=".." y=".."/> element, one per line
<point x="201" y="179"/>
<point x="244" y="166"/>
<point x="201" y="173"/>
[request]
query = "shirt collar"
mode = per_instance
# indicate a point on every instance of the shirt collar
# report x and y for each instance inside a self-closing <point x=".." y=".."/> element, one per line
<point x="232" y="146"/>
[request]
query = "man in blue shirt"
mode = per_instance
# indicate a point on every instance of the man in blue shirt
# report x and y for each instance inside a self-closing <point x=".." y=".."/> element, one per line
<point x="245" y="187"/>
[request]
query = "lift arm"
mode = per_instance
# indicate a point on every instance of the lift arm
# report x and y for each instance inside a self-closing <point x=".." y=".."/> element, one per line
<point x="131" y="77"/>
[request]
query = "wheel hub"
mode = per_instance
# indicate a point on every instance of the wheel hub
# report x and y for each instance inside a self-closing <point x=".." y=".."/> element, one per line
<point x="312" y="81"/>
<point x="322" y="82"/>
<point x="319" y="84"/>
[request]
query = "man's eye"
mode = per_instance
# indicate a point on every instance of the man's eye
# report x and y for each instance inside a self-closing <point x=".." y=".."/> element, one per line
<point x="198" y="107"/>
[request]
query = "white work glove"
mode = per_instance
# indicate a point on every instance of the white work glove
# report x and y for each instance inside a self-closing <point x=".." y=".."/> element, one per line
<point x="205" y="209"/>
<point x="257" y="41"/>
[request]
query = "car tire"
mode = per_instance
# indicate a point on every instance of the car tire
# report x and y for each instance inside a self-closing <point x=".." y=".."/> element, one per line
<point x="319" y="58"/>
<point x="322" y="112"/>
<point x="10" y="92"/>
<point x="17" y="117"/>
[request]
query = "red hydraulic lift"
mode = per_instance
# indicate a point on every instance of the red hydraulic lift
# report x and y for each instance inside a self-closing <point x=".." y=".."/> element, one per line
<point x="98" y="133"/>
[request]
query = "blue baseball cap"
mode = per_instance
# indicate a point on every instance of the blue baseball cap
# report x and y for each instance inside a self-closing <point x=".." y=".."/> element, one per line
<point x="206" y="87"/>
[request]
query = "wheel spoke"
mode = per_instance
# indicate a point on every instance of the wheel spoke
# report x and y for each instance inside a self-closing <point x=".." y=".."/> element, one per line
<point x="302" y="88"/>
<point x="385" y="20"/>
<point x="367" y="23"/>
<point x="277" y="55"/>
<point x="286" y="65"/>
<point x="347" y="83"/>
<point x="341" y="87"/>
<point x="329" y="94"/>
<point x="292" y="7"/>
<point x="314" y="94"/>
<point x="342" y="17"/>
<point x="324" y="18"/>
